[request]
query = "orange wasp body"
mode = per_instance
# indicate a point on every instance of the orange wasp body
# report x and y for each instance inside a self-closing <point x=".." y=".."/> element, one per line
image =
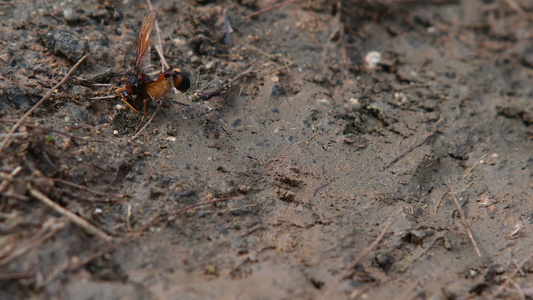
<point x="142" y="85"/>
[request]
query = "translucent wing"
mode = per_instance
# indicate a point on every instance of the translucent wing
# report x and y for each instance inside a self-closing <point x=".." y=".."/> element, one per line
<point x="144" y="39"/>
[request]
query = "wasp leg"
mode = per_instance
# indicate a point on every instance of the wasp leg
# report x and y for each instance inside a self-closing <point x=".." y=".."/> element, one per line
<point x="145" y="102"/>
<point x="123" y="95"/>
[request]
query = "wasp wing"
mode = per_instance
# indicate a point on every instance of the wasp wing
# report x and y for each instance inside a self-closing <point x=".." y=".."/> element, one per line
<point x="144" y="39"/>
<point x="157" y="89"/>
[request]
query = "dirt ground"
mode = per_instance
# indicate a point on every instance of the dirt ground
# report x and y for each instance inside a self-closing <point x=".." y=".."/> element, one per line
<point x="292" y="169"/>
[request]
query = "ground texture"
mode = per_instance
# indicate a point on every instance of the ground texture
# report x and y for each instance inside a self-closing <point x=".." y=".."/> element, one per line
<point x="292" y="169"/>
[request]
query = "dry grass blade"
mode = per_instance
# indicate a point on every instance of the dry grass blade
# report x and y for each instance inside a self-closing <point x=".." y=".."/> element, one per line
<point x="69" y="215"/>
<point x="349" y="266"/>
<point x="511" y="275"/>
<point x="81" y="187"/>
<point x="159" y="46"/>
<point x="7" y="140"/>
<point x="7" y="178"/>
<point x="49" y="229"/>
<point x="45" y="129"/>
<point x="463" y="219"/>
<point x="148" y="122"/>
<point x="154" y="222"/>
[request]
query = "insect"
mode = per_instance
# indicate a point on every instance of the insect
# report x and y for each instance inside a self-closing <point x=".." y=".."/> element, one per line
<point x="141" y="85"/>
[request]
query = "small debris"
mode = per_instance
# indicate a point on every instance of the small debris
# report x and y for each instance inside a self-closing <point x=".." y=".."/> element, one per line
<point x="352" y="104"/>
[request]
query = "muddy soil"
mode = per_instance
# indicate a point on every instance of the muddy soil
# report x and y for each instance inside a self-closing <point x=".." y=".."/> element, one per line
<point x="292" y="169"/>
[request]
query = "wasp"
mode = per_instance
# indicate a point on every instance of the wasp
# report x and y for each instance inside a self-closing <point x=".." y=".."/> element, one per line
<point x="141" y="85"/>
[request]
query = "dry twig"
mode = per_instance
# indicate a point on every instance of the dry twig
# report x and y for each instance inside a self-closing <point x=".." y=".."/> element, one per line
<point x="431" y="135"/>
<point x="222" y="90"/>
<point x="7" y="140"/>
<point x="81" y="187"/>
<point x="46" y="129"/>
<point x="159" y="46"/>
<point x="349" y="266"/>
<point x="148" y="122"/>
<point x="463" y="219"/>
<point x="8" y="178"/>
<point x="511" y="275"/>
<point x="69" y="215"/>
<point x="49" y="229"/>
<point x="154" y="222"/>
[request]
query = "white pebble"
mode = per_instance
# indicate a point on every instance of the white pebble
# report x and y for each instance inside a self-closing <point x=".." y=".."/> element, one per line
<point x="372" y="59"/>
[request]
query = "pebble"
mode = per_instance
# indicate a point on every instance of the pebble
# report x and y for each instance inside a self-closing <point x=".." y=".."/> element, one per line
<point x="76" y="113"/>
<point x="372" y="59"/>
<point x="278" y="90"/>
<point x="66" y="43"/>
<point x="352" y="104"/>
<point x="71" y="16"/>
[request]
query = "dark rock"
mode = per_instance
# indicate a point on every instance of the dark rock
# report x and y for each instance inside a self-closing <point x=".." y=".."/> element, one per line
<point x="67" y="44"/>
<point x="278" y="90"/>
<point x="16" y="97"/>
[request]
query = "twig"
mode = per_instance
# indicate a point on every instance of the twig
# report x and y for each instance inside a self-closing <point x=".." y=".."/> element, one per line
<point x="517" y="9"/>
<point x="50" y="227"/>
<point x="17" y="275"/>
<point x="318" y="189"/>
<point x="15" y="196"/>
<point x="8" y="178"/>
<point x="474" y="165"/>
<point x="7" y="140"/>
<point x="68" y="214"/>
<point x="81" y="187"/>
<point x="433" y="134"/>
<point x="51" y="130"/>
<point x="102" y="98"/>
<point x="154" y="222"/>
<point x="350" y="265"/>
<point x="511" y="275"/>
<point x="463" y="219"/>
<point x="222" y="90"/>
<point x="6" y="3"/>
<point x="148" y="122"/>
<point x="268" y="8"/>
<point x="14" y="135"/>
<point x="521" y="293"/>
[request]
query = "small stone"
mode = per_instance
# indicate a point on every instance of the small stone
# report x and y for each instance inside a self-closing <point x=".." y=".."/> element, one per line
<point x="324" y="102"/>
<point x="66" y="43"/>
<point x="76" y="113"/>
<point x="278" y="90"/>
<point x="71" y="16"/>
<point x="407" y="73"/>
<point x="320" y="78"/>
<point x="372" y="59"/>
<point x="352" y="104"/>
<point x="80" y="91"/>
<point x="210" y="65"/>
<point x="5" y="57"/>
<point x="41" y="68"/>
